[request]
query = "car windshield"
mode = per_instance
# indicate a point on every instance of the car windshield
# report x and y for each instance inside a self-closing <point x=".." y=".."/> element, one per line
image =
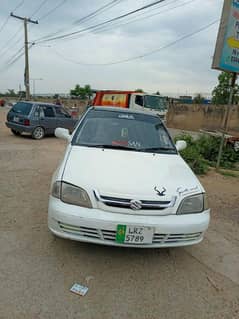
<point x="126" y="131"/>
<point x="155" y="102"/>
<point x="22" y="108"/>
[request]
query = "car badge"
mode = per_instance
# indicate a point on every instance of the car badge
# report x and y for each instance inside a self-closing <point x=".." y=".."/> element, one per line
<point x="160" y="193"/>
<point x="135" y="204"/>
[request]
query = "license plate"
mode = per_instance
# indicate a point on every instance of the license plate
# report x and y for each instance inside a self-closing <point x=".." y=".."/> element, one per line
<point x="16" y="119"/>
<point x="134" y="234"/>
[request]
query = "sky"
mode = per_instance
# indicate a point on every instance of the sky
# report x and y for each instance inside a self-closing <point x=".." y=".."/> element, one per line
<point x="183" y="68"/>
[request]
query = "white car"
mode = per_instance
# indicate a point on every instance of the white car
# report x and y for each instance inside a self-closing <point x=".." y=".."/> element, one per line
<point x="122" y="182"/>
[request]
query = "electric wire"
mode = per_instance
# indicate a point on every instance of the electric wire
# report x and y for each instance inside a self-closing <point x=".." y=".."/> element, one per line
<point x="104" y="29"/>
<point x="102" y="23"/>
<point x="88" y="17"/>
<point x="144" y="54"/>
<point x="8" y="17"/>
<point x="52" y="10"/>
<point x="38" y="8"/>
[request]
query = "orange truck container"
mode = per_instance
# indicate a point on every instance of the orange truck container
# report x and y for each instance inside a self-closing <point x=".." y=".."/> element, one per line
<point x="132" y="100"/>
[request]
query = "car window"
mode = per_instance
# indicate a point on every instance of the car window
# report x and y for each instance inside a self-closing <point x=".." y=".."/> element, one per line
<point x="37" y="111"/>
<point x="60" y="112"/>
<point x="48" y="111"/>
<point x="22" y="108"/>
<point x="138" y="131"/>
<point x="139" y="100"/>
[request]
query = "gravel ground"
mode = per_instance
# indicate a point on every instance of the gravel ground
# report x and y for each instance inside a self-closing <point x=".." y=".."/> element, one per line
<point x="37" y="269"/>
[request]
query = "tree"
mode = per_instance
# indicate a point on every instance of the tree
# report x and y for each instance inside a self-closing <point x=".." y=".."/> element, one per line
<point x="157" y="93"/>
<point x="198" y="99"/>
<point x="82" y="92"/>
<point x="11" y="92"/>
<point x="21" y="94"/>
<point x="220" y="94"/>
<point x="88" y="91"/>
<point x="139" y="90"/>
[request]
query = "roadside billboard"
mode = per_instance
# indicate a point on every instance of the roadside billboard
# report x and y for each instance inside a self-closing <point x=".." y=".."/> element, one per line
<point x="226" y="56"/>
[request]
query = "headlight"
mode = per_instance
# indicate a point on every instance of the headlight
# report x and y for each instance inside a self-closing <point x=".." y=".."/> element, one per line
<point x="193" y="204"/>
<point x="71" y="194"/>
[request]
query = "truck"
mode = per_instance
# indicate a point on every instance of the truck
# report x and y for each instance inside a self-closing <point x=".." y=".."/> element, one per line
<point x="132" y="100"/>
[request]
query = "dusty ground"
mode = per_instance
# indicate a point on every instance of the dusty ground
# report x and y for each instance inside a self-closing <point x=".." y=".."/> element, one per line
<point x="37" y="270"/>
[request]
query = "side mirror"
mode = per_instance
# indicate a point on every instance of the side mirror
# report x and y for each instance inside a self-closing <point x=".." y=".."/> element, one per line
<point x="181" y="145"/>
<point x="63" y="133"/>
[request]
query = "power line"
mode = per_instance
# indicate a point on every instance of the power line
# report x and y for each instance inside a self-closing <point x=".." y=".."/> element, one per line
<point x="103" y="23"/>
<point x="144" y="17"/>
<point x="6" y="47"/>
<point x="145" y="54"/>
<point x="52" y="10"/>
<point x="4" y="23"/>
<point x="8" y="17"/>
<point x="111" y="26"/>
<point x="93" y="14"/>
<point x="8" y="65"/>
<point x="19" y="5"/>
<point x="88" y="17"/>
<point x="15" y="54"/>
<point x="38" y="8"/>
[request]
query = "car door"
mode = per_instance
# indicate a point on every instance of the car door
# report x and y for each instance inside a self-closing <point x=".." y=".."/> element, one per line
<point x="64" y="119"/>
<point x="48" y="118"/>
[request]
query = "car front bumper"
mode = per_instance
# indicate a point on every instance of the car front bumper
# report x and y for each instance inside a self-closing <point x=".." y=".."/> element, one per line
<point x="19" y="128"/>
<point x="99" y="227"/>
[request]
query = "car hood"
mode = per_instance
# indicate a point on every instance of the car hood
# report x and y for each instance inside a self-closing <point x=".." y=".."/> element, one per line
<point x="129" y="173"/>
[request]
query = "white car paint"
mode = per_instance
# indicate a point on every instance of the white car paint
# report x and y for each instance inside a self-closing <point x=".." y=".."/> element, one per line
<point x="130" y="175"/>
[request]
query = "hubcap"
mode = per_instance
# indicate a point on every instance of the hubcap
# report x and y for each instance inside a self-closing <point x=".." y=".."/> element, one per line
<point x="38" y="132"/>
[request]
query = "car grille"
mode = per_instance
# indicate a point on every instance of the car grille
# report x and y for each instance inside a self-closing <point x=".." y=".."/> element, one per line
<point x="110" y="235"/>
<point x="126" y="203"/>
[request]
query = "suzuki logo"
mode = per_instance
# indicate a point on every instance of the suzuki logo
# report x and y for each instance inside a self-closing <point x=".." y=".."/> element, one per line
<point x="135" y="204"/>
<point x="160" y="193"/>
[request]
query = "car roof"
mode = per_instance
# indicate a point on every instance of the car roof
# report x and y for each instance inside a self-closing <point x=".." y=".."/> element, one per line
<point x="41" y="103"/>
<point x="122" y="110"/>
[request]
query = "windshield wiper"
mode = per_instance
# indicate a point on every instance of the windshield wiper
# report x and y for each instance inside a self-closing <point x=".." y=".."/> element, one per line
<point x="152" y="149"/>
<point x="118" y="147"/>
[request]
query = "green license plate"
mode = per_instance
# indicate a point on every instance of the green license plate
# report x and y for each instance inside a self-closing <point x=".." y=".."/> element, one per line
<point x="134" y="234"/>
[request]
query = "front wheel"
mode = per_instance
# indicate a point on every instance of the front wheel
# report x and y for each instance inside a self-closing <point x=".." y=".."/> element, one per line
<point x="38" y="133"/>
<point x="15" y="132"/>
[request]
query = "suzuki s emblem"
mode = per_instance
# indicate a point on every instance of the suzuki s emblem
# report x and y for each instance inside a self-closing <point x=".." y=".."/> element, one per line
<point x="160" y="193"/>
<point x="135" y="204"/>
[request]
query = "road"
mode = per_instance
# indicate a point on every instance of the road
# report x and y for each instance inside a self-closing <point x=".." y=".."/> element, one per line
<point x="37" y="269"/>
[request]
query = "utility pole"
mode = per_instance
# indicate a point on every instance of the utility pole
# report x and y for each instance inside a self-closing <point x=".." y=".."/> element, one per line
<point x="26" y="73"/>
<point x="225" y="126"/>
<point x="34" y="85"/>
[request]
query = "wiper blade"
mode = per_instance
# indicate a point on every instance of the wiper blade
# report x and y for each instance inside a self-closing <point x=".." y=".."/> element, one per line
<point x="118" y="147"/>
<point x="151" y="149"/>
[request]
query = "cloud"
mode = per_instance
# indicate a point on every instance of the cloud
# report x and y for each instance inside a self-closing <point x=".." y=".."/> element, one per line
<point x="184" y="67"/>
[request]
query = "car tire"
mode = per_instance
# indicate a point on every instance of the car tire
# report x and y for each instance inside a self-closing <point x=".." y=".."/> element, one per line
<point x="38" y="133"/>
<point x="15" y="132"/>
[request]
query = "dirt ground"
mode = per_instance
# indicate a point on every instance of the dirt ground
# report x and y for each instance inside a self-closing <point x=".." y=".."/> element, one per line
<point x="37" y="269"/>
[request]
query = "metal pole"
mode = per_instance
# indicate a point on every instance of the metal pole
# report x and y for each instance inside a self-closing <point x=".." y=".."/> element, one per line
<point x="27" y="85"/>
<point x="225" y="126"/>
<point x="34" y="91"/>
<point x="26" y="73"/>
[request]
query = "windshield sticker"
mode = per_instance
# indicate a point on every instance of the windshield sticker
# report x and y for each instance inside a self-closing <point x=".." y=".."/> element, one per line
<point x="120" y="143"/>
<point x="134" y="144"/>
<point x="185" y="191"/>
<point x="126" y="116"/>
<point x="124" y="132"/>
